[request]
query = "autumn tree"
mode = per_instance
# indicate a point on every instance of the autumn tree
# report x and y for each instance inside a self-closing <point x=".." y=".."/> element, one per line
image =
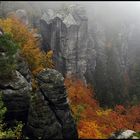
<point x="83" y="106"/>
<point x="30" y="50"/>
<point x="93" y="121"/>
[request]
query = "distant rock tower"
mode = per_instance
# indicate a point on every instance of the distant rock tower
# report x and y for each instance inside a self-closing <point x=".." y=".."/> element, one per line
<point x="66" y="33"/>
<point x="22" y="15"/>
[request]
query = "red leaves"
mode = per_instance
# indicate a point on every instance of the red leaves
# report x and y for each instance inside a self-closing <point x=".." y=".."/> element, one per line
<point x="79" y="93"/>
<point x="84" y="107"/>
<point x="93" y="121"/>
<point x="120" y="109"/>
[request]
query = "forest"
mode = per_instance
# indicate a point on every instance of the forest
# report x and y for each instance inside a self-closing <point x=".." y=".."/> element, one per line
<point x="69" y="70"/>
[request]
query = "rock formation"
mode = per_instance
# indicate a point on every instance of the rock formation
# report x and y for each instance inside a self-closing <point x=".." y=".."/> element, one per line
<point x="14" y="88"/>
<point x="23" y="68"/>
<point x="16" y="97"/>
<point x="66" y="33"/>
<point x="50" y="115"/>
<point x="45" y="111"/>
<point x="101" y="55"/>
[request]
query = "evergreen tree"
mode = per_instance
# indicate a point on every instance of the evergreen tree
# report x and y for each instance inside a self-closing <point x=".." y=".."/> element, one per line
<point x="8" y="50"/>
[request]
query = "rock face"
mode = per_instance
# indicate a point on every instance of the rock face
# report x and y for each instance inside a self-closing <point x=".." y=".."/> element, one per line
<point x="23" y="68"/>
<point x="124" y="134"/>
<point x="45" y="111"/>
<point x="42" y="122"/>
<point x="84" y="53"/>
<point x="77" y="51"/>
<point x="49" y="115"/>
<point x="16" y="97"/>
<point x="14" y="88"/>
<point x="67" y="35"/>
<point x="101" y="55"/>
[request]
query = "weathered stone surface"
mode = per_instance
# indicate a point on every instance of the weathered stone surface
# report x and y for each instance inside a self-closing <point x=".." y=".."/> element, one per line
<point x="124" y="134"/>
<point x="42" y="122"/>
<point x="67" y="35"/>
<point x="52" y="115"/>
<point x="23" y="68"/>
<point x="16" y="97"/>
<point x="83" y="51"/>
<point x="51" y="84"/>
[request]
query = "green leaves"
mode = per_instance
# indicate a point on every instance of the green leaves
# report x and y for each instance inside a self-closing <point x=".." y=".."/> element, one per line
<point x="8" y="44"/>
<point x="10" y="133"/>
<point x="8" y="50"/>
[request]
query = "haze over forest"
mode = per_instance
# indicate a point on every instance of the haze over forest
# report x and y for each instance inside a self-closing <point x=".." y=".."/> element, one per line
<point x="77" y="75"/>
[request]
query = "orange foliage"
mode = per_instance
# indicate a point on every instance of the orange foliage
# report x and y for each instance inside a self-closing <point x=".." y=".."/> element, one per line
<point x="88" y="129"/>
<point x="79" y="93"/>
<point x="29" y="45"/>
<point x="133" y="117"/>
<point x="83" y="106"/>
<point x="93" y="121"/>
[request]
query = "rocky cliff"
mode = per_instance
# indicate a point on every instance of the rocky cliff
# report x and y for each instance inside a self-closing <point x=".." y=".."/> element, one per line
<point x="99" y="54"/>
<point x="49" y="114"/>
<point x="82" y="52"/>
<point x="16" y="96"/>
<point x="66" y="33"/>
<point x="45" y="111"/>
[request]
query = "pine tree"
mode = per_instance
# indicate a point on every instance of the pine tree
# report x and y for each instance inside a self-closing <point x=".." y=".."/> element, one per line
<point x="8" y="50"/>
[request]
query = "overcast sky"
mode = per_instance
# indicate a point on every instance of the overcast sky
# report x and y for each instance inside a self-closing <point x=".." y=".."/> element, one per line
<point x="104" y="9"/>
<point x="107" y="12"/>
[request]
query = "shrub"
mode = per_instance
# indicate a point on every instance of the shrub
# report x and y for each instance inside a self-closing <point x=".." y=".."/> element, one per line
<point x="10" y="133"/>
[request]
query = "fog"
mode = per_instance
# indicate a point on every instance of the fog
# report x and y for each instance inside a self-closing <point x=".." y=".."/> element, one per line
<point x="104" y="11"/>
<point x="107" y="13"/>
<point x="112" y="44"/>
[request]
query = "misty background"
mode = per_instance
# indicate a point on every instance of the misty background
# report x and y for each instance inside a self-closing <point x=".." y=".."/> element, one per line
<point x="107" y="12"/>
<point x="113" y="61"/>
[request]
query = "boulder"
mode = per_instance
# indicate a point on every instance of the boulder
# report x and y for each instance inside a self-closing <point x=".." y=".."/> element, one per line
<point x="125" y="134"/>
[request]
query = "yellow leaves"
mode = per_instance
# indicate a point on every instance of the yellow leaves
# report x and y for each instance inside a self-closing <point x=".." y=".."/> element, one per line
<point x="37" y="70"/>
<point x="6" y="25"/>
<point x="36" y="59"/>
<point x="103" y="112"/>
<point x="88" y="130"/>
<point x="83" y="107"/>
<point x="77" y="111"/>
<point x="49" y="54"/>
<point x="79" y="93"/>
<point x="94" y="122"/>
<point x="48" y="59"/>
